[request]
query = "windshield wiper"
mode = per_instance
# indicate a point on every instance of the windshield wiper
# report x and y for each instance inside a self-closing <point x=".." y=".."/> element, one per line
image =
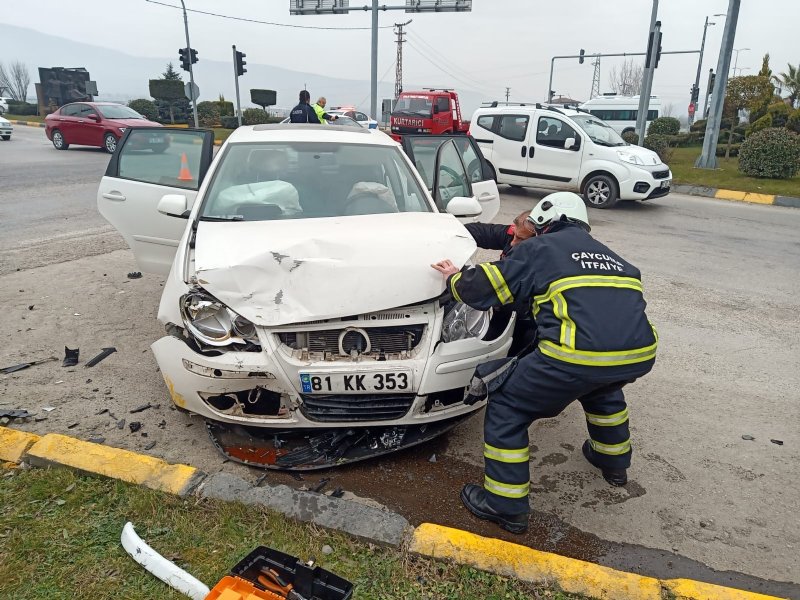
<point x="223" y="218"/>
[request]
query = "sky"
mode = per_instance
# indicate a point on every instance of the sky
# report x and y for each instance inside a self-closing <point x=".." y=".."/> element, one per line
<point x="499" y="44"/>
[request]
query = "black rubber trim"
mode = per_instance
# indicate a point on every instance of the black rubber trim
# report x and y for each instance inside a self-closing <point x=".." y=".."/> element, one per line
<point x="536" y="175"/>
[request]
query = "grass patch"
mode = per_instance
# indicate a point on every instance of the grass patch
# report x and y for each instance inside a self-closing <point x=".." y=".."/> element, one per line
<point x="33" y="118"/>
<point x="727" y="176"/>
<point x="59" y="538"/>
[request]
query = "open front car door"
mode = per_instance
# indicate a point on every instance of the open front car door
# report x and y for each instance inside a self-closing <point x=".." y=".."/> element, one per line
<point x="447" y="175"/>
<point x="149" y="189"/>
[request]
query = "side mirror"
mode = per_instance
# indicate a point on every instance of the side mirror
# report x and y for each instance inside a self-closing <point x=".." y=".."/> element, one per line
<point x="93" y="117"/>
<point x="569" y="143"/>
<point x="461" y="206"/>
<point x="174" y="205"/>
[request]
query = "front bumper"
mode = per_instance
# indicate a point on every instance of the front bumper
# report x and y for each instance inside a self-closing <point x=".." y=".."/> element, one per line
<point x="645" y="183"/>
<point x="6" y="130"/>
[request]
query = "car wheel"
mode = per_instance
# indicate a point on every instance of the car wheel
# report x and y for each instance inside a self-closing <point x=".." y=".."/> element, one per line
<point x="109" y="143"/>
<point x="6" y="137"/>
<point x="58" y="140"/>
<point x="600" y="191"/>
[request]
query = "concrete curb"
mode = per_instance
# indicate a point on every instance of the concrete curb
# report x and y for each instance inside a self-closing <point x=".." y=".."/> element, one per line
<point x="29" y="123"/>
<point x="736" y="196"/>
<point x="569" y="574"/>
<point x="368" y="523"/>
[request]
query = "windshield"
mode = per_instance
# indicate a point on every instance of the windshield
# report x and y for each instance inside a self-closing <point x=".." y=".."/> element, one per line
<point x="274" y="181"/>
<point x="598" y="131"/>
<point x="420" y="106"/>
<point x="119" y="112"/>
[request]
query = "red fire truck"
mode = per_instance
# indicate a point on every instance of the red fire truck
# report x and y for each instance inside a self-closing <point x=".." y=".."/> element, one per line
<point x="433" y="111"/>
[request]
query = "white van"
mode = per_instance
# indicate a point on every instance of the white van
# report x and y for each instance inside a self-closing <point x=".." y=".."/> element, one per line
<point x="541" y="146"/>
<point x="620" y="112"/>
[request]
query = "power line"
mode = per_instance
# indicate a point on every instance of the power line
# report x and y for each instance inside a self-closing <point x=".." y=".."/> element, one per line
<point x="232" y="18"/>
<point x="449" y="63"/>
<point x="385" y="73"/>
<point x="423" y="55"/>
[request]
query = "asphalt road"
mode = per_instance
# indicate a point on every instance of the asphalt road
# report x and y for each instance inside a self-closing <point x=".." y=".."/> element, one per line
<point x="721" y="280"/>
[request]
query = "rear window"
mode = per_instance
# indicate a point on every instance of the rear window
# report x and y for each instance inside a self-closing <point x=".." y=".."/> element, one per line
<point x="273" y="181"/>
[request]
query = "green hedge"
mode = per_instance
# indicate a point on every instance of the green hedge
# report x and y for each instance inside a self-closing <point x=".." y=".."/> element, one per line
<point x="722" y="149"/>
<point x="660" y="145"/>
<point x="664" y="126"/>
<point x="22" y="108"/>
<point x="631" y="137"/>
<point x="229" y="122"/>
<point x="772" y="153"/>
<point x="207" y="114"/>
<point x="764" y="122"/>
<point x="793" y="124"/>
<point x="146" y="108"/>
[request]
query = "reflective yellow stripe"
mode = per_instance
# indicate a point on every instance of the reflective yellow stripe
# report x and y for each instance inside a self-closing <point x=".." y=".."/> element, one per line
<point x="506" y="456"/>
<point x="611" y="449"/>
<point x="561" y="285"/>
<point x="498" y="282"/>
<point x="608" y="420"/>
<point x="453" y="291"/>
<point x="598" y="359"/>
<point x="507" y="490"/>
<point x="567" y="325"/>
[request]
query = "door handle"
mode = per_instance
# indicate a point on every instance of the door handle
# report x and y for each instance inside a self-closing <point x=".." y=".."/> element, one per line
<point x="522" y="152"/>
<point x="530" y="152"/>
<point x="486" y="195"/>
<point x="116" y="196"/>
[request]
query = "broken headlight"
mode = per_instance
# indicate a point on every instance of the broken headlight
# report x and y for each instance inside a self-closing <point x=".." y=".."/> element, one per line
<point x="214" y="324"/>
<point x="462" y="322"/>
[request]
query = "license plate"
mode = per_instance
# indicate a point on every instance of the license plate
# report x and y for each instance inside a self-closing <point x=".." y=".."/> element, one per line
<point x="356" y="383"/>
<point x="156" y="140"/>
<point x="665" y="183"/>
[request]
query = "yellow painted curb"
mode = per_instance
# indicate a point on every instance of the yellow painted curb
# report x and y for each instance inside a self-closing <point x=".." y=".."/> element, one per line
<point x="61" y="450"/>
<point x="14" y="444"/>
<point x="569" y="574"/>
<point x="526" y="564"/>
<point x="745" y="196"/>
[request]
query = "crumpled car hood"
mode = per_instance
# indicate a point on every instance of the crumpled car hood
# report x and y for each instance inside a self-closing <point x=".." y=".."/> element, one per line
<point x="289" y="271"/>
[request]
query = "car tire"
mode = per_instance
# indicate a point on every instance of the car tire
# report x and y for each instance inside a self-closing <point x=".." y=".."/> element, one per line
<point x="109" y="142"/>
<point x="600" y="191"/>
<point x="58" y="140"/>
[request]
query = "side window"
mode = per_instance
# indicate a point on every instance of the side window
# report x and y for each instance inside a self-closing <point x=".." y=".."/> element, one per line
<point x="552" y="132"/>
<point x="442" y="104"/>
<point x="652" y="115"/>
<point x="471" y="159"/>
<point x="486" y="121"/>
<point x="513" y="127"/>
<point x="86" y="110"/>
<point x="451" y="178"/>
<point x="169" y="159"/>
<point x="70" y="110"/>
<point x="361" y="116"/>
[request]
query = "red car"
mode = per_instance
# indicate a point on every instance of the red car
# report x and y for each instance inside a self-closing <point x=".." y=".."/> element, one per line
<point x="98" y="124"/>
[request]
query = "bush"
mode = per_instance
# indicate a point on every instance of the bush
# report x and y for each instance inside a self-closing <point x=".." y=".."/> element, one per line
<point x="255" y="116"/>
<point x="207" y="114"/>
<point x="699" y="125"/>
<point x="664" y="126"/>
<point x="722" y="149"/>
<point x="779" y="111"/>
<point x="793" y="124"/>
<point x="685" y="140"/>
<point x="631" y="137"/>
<point x="773" y="153"/>
<point x="229" y="122"/>
<point x="225" y="108"/>
<point x="144" y="107"/>
<point x="764" y="122"/>
<point x="22" y="108"/>
<point x="660" y="145"/>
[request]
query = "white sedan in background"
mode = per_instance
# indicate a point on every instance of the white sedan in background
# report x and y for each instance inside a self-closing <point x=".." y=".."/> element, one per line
<point x="303" y="319"/>
<point x="6" y="129"/>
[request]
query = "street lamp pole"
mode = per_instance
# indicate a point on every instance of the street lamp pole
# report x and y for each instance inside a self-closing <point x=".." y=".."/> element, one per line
<point x="191" y="71"/>
<point x="736" y="60"/>
<point x="696" y="89"/>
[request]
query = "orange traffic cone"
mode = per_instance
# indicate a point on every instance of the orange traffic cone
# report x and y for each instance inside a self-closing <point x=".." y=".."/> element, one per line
<point x="184" y="174"/>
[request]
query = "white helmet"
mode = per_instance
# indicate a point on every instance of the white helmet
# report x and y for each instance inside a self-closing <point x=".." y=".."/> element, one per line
<point x="554" y="206"/>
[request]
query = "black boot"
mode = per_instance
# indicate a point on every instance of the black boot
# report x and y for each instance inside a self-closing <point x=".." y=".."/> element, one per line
<point x="616" y="477"/>
<point x="474" y="498"/>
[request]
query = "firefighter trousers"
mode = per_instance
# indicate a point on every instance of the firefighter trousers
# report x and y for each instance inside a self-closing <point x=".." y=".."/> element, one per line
<point x="540" y="389"/>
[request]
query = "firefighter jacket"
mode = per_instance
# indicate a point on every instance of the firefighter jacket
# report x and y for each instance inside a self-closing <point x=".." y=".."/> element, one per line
<point x="586" y="300"/>
<point x="303" y="113"/>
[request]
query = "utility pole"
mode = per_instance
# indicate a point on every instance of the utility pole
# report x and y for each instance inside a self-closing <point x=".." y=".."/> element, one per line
<point x="708" y="159"/>
<point x="236" y="68"/>
<point x="191" y="71"/>
<point x="653" y="47"/>
<point x="695" y="94"/>
<point x="508" y="93"/>
<point x="398" y="71"/>
<point x="595" y="78"/>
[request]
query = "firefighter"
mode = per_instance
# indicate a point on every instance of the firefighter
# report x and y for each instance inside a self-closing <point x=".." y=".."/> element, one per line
<point x="319" y="109"/>
<point x="593" y="339"/>
<point x="303" y="112"/>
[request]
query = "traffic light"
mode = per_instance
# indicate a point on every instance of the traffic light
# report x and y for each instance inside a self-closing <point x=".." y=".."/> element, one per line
<point x="580" y="58"/>
<point x="240" y="63"/>
<point x="711" y="79"/>
<point x="194" y="55"/>
<point x="184" y="56"/>
<point x="654" y="49"/>
<point x="695" y="94"/>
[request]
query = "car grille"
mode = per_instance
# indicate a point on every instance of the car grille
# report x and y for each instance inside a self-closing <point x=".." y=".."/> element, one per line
<point x="661" y="174"/>
<point x="390" y="340"/>
<point x="372" y="407"/>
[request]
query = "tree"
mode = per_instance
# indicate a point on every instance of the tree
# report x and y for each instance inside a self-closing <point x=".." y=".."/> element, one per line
<point x="765" y="70"/>
<point x="626" y="80"/>
<point x="171" y="74"/>
<point x="749" y="92"/>
<point x="791" y="81"/>
<point x="16" y="79"/>
<point x="668" y="109"/>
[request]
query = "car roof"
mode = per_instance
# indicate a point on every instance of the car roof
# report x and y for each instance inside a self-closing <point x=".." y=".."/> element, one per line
<point x="302" y="132"/>
<point x="527" y="108"/>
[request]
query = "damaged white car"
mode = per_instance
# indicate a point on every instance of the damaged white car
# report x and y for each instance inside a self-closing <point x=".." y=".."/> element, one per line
<point x="303" y="318"/>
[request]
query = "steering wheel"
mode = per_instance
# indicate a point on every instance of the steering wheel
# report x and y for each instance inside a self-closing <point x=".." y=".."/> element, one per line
<point x="475" y="171"/>
<point x="444" y="191"/>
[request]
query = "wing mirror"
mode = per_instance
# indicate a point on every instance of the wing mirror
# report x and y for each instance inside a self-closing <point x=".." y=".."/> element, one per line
<point x="93" y="117"/>
<point x="461" y="206"/>
<point x="174" y="205"/>
<point x="569" y="143"/>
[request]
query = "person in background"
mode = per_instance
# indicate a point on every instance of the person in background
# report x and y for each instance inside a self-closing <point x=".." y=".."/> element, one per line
<point x="303" y="112"/>
<point x="319" y="109"/>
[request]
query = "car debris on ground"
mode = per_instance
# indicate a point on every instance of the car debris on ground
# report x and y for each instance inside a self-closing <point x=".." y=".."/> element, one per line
<point x="106" y="352"/>
<point x="70" y="357"/>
